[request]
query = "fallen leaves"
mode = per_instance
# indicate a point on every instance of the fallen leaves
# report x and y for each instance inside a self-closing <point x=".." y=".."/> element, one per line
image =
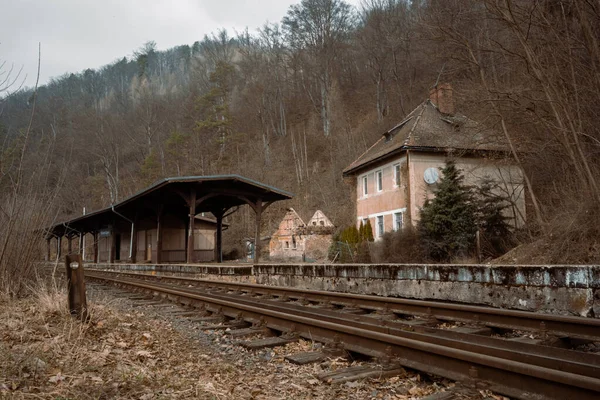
<point x="58" y="378"/>
<point x="142" y="355"/>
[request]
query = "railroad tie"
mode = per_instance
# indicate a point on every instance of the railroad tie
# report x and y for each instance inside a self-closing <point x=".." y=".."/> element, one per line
<point x="266" y="342"/>
<point x="240" y="333"/>
<point x="306" y="357"/>
<point x="358" y="372"/>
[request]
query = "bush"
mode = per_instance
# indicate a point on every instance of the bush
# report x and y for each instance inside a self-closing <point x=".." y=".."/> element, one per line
<point x="232" y="254"/>
<point x="496" y="235"/>
<point x="399" y="247"/>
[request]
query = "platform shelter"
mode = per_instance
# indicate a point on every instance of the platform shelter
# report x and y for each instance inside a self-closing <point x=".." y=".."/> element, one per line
<point x="166" y="222"/>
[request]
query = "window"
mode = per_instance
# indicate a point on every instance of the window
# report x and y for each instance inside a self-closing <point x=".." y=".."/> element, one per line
<point x="293" y="242"/>
<point x="380" y="226"/>
<point x="397" y="174"/>
<point x="379" y="181"/>
<point x="397" y="221"/>
<point x="365" y="186"/>
<point x="287" y="245"/>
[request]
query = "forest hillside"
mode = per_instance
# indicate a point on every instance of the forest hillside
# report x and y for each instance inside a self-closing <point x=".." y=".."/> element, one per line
<point x="291" y="104"/>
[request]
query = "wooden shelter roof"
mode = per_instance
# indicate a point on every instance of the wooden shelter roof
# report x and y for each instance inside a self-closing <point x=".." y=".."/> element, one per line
<point x="212" y="193"/>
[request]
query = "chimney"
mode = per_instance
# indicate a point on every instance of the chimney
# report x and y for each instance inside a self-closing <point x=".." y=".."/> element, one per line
<point x="441" y="96"/>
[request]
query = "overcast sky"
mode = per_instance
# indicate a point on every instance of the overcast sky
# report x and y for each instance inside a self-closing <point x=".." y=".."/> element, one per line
<point x="80" y="34"/>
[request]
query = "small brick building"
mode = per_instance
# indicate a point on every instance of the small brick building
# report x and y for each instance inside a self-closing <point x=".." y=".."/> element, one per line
<point x="295" y="240"/>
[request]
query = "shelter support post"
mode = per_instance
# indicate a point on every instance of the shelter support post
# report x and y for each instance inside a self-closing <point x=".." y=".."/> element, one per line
<point x="159" y="234"/>
<point x="96" y="247"/>
<point x="191" y="227"/>
<point x="134" y="241"/>
<point x="113" y="245"/>
<point x="258" y="211"/>
<point x="48" y="248"/>
<point x="80" y="249"/>
<point x="219" y="241"/>
<point x="69" y="244"/>
<point x="58" y="247"/>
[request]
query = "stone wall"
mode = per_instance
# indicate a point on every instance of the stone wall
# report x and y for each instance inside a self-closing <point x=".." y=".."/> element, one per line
<point x="557" y="289"/>
<point x="241" y="273"/>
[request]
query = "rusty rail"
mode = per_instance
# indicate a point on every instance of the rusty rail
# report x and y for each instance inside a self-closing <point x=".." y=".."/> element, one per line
<point x="502" y="370"/>
<point x="546" y="324"/>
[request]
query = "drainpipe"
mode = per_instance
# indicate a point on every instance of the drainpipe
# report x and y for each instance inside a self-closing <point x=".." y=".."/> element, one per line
<point x="132" y="227"/>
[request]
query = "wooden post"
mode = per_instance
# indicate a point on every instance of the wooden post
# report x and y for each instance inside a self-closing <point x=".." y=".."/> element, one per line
<point x="219" y="244"/>
<point x="69" y="244"/>
<point x="80" y="244"/>
<point x="58" y="247"/>
<point x="113" y="245"/>
<point x="159" y="233"/>
<point x="191" y="227"/>
<point x="134" y="240"/>
<point x="76" y="285"/>
<point x="48" y="248"/>
<point x="258" y="209"/>
<point x="96" y="247"/>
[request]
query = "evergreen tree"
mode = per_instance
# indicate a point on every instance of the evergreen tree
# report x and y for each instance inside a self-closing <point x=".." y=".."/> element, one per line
<point x="495" y="232"/>
<point x="353" y="237"/>
<point x="369" y="231"/>
<point x="447" y="224"/>
<point x="361" y="232"/>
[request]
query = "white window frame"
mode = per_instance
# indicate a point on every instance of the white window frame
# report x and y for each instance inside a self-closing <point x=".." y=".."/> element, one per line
<point x="396" y="168"/>
<point x="379" y="180"/>
<point x="380" y="227"/>
<point x="398" y="216"/>
<point x="365" y="183"/>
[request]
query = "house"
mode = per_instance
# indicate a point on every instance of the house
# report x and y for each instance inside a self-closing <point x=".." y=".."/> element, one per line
<point x="400" y="170"/>
<point x="296" y="241"/>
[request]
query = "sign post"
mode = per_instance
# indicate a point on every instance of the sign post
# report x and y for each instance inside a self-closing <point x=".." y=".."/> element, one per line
<point x="76" y="286"/>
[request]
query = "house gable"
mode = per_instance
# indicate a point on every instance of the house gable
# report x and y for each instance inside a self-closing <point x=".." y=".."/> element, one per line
<point x="427" y="128"/>
<point x="319" y="219"/>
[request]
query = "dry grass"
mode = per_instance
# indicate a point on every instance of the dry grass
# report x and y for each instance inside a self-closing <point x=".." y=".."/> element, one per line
<point x="51" y="355"/>
<point x="126" y="354"/>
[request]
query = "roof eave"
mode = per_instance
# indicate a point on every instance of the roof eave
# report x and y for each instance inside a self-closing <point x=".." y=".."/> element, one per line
<point x="355" y="170"/>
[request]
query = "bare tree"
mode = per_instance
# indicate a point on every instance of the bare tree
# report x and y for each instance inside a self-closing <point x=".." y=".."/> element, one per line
<point x="319" y="29"/>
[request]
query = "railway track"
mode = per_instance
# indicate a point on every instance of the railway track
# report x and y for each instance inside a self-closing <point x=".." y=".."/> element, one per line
<point x="386" y="328"/>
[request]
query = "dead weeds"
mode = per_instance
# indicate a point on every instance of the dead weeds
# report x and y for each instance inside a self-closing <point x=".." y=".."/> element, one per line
<point x="126" y="354"/>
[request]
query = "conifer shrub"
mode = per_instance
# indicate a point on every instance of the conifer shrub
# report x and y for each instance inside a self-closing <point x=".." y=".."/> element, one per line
<point x="447" y="224"/>
<point x="368" y="232"/>
<point x="345" y="243"/>
<point x="496" y="234"/>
